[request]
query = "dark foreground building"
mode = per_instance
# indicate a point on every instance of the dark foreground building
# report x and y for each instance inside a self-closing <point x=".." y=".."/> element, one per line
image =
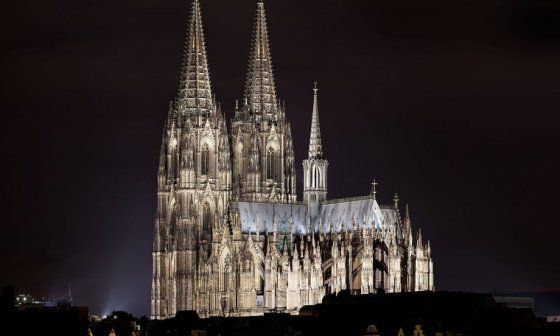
<point x="37" y="319"/>
<point x="398" y="314"/>
<point x="60" y="321"/>
<point x="420" y="313"/>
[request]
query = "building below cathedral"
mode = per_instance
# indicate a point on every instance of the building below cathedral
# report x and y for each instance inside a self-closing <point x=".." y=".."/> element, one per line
<point x="230" y="236"/>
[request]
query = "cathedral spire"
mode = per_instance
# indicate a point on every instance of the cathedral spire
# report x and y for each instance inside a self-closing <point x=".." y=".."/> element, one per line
<point x="195" y="93"/>
<point x="315" y="148"/>
<point x="315" y="166"/>
<point x="260" y="93"/>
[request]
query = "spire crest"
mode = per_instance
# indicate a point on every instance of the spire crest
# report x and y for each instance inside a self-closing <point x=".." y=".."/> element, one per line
<point x="315" y="147"/>
<point x="374" y="185"/>
<point x="260" y="91"/>
<point x="195" y="93"/>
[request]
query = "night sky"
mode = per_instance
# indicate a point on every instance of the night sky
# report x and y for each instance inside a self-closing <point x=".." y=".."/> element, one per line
<point x="453" y="104"/>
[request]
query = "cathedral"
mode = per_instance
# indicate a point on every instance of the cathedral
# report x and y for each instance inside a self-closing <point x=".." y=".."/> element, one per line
<point x="231" y="237"/>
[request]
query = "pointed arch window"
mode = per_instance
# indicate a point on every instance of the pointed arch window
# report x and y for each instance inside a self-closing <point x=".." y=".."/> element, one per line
<point x="226" y="269"/>
<point x="378" y="279"/>
<point x="206" y="218"/>
<point x="316" y="177"/>
<point x="238" y="160"/>
<point x="205" y="160"/>
<point x="378" y="253"/>
<point x="271" y="164"/>
<point x="226" y="278"/>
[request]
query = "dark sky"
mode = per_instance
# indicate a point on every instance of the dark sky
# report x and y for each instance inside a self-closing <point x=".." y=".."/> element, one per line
<point x="454" y="104"/>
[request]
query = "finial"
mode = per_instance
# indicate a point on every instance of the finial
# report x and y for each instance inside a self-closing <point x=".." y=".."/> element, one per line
<point x="374" y="188"/>
<point x="315" y="88"/>
<point x="396" y="200"/>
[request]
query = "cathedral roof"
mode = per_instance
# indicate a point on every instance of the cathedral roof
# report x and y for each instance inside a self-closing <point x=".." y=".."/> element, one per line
<point x="264" y="216"/>
<point x="345" y="214"/>
<point x="341" y="215"/>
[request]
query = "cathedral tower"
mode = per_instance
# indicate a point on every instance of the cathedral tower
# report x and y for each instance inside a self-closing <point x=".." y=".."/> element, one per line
<point x="194" y="180"/>
<point x="315" y="167"/>
<point x="263" y="156"/>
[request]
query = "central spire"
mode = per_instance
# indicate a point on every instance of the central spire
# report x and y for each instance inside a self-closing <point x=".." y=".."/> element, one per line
<point x="260" y="92"/>
<point x="195" y="93"/>
<point x="315" y="148"/>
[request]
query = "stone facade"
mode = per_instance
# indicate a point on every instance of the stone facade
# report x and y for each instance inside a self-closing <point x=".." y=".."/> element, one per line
<point x="230" y="237"/>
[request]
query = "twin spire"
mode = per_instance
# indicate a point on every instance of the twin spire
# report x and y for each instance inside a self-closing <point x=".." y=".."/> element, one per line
<point x="195" y="93"/>
<point x="260" y="92"/>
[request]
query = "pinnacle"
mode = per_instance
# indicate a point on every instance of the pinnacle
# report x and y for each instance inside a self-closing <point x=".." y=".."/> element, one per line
<point x="195" y="93"/>
<point x="407" y="213"/>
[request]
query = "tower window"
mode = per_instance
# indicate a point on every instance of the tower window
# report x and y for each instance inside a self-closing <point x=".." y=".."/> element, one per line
<point x="226" y="268"/>
<point x="238" y="160"/>
<point x="206" y="218"/>
<point x="205" y="160"/>
<point x="226" y="278"/>
<point x="378" y="253"/>
<point x="271" y="164"/>
<point x="378" y="280"/>
<point x="316" y="178"/>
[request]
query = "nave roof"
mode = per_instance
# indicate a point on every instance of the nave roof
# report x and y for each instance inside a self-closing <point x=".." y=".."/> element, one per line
<point x="340" y="215"/>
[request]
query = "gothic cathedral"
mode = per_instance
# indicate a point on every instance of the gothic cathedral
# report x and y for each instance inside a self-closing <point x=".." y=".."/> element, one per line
<point x="230" y="236"/>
